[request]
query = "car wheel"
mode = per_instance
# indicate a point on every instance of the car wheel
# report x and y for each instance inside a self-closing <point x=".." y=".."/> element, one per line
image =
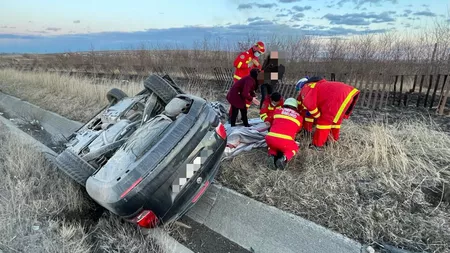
<point x="75" y="167"/>
<point x="115" y="95"/>
<point x="174" y="85"/>
<point x="161" y="88"/>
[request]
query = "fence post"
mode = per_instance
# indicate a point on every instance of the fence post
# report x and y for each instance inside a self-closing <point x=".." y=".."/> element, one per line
<point x="395" y="90"/>
<point x="428" y="91"/>
<point x="419" y="96"/>
<point x="401" y="90"/>
<point x="434" y="91"/>
<point x="442" y="98"/>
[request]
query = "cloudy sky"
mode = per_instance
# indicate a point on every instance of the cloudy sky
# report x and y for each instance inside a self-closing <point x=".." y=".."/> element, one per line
<point x="58" y="26"/>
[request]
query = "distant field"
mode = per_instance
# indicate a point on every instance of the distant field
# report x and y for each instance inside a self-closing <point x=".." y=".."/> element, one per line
<point x="388" y="54"/>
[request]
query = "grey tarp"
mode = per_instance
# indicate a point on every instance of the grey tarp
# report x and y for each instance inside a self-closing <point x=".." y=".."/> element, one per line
<point x="242" y="138"/>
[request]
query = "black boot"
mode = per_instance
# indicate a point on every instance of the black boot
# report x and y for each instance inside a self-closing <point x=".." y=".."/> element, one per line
<point x="281" y="162"/>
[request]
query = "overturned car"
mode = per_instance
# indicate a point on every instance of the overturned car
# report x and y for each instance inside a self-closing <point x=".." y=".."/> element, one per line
<point x="150" y="157"/>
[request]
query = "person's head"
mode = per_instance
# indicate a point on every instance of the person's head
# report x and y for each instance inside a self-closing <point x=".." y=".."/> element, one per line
<point x="258" y="48"/>
<point x="275" y="98"/>
<point x="291" y="103"/>
<point x="301" y="83"/>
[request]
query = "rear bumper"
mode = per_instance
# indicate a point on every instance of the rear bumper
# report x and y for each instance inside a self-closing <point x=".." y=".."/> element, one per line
<point x="194" y="191"/>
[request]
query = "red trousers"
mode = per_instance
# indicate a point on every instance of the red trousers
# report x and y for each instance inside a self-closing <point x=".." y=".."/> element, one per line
<point x="308" y="124"/>
<point x="323" y="129"/>
<point x="288" y="147"/>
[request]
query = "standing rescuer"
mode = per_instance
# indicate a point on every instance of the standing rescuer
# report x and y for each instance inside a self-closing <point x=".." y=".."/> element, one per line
<point x="246" y="61"/>
<point x="285" y="125"/>
<point x="243" y="90"/>
<point x="275" y="101"/>
<point x="329" y="103"/>
<point x="308" y="119"/>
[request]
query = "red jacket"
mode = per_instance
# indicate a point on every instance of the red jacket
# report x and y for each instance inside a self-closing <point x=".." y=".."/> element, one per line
<point x="266" y="111"/>
<point x="326" y="99"/>
<point x="241" y="64"/>
<point x="242" y="90"/>
<point x="286" y="123"/>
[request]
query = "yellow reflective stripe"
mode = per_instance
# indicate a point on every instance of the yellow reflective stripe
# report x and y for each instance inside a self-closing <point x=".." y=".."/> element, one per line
<point x="281" y="116"/>
<point x="239" y="65"/>
<point x="336" y="126"/>
<point x="314" y="111"/>
<point x="341" y="109"/>
<point x="309" y="119"/>
<point x="237" y="77"/>
<point x="281" y="136"/>
<point x="299" y="103"/>
<point x="263" y="116"/>
<point x="317" y="115"/>
<point x="278" y="107"/>
<point x="312" y="85"/>
<point x="293" y="151"/>
<point x="247" y="105"/>
<point x="270" y="108"/>
<point x="323" y="126"/>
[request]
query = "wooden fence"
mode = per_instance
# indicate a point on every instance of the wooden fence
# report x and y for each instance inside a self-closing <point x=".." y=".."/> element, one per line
<point x="430" y="91"/>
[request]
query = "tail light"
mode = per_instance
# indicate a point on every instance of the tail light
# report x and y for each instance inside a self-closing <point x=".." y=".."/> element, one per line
<point x="220" y="130"/>
<point x="147" y="219"/>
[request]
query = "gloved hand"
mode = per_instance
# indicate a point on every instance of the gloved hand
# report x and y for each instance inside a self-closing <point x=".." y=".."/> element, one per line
<point x="308" y="114"/>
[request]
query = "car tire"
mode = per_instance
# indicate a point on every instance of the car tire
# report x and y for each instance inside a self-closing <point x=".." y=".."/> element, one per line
<point x="75" y="167"/>
<point x="174" y="85"/>
<point x="161" y="88"/>
<point x="115" y="95"/>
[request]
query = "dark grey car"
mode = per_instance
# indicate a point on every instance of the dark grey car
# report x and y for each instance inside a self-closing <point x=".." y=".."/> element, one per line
<point x="148" y="158"/>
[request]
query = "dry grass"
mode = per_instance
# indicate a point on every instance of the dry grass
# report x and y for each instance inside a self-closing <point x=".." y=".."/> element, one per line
<point x="74" y="97"/>
<point x="373" y="186"/>
<point x="41" y="210"/>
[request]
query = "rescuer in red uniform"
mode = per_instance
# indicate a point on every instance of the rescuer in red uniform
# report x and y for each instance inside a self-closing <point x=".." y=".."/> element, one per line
<point x="275" y="101"/>
<point x="285" y="125"/>
<point x="242" y="91"/>
<point x="308" y="120"/>
<point x="329" y="103"/>
<point x="246" y="61"/>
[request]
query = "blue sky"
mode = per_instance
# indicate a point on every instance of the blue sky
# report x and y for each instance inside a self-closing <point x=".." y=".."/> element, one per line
<point x="30" y="26"/>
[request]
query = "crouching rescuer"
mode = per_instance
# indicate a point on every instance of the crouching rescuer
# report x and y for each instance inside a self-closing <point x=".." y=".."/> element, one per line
<point x="269" y="105"/>
<point x="285" y="124"/>
<point x="329" y="103"/>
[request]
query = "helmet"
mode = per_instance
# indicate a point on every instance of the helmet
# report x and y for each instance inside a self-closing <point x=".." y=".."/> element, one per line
<point x="300" y="83"/>
<point x="259" y="47"/>
<point x="291" y="102"/>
